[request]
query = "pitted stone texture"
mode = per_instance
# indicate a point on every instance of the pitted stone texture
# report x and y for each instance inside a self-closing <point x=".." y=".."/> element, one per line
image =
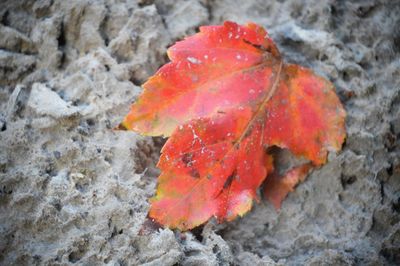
<point x="74" y="191"/>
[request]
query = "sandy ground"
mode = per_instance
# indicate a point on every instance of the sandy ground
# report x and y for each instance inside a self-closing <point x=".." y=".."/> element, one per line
<point x="73" y="191"/>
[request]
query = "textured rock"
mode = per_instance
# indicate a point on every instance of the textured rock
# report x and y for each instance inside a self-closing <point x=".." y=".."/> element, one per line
<point x="181" y="17"/>
<point x="13" y="40"/>
<point x="44" y="101"/>
<point x="74" y="191"/>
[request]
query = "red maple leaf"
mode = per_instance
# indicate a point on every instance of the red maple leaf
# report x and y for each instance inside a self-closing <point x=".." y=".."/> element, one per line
<point x="224" y="99"/>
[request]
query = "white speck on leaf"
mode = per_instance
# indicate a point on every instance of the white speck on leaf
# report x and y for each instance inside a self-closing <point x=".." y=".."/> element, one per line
<point x="193" y="60"/>
<point x="195" y="136"/>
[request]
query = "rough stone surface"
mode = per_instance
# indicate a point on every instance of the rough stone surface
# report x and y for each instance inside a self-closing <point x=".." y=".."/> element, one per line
<point x="73" y="191"/>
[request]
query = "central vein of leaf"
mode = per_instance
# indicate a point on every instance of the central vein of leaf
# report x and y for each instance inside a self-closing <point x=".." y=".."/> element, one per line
<point x="258" y="113"/>
<point x="263" y="103"/>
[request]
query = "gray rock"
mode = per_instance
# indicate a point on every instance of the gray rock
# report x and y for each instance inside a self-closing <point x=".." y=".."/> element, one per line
<point x="44" y="101"/>
<point x="14" y="67"/>
<point x="16" y="102"/>
<point x="74" y="191"/>
<point x="13" y="40"/>
<point x="182" y="17"/>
